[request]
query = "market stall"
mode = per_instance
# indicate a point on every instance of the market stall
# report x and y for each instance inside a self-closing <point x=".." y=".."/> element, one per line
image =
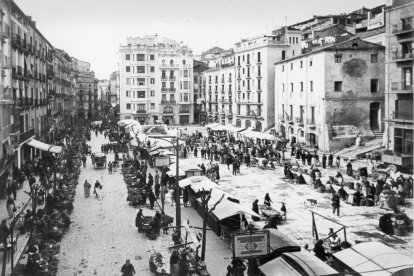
<point x="373" y="258"/>
<point x="297" y="263"/>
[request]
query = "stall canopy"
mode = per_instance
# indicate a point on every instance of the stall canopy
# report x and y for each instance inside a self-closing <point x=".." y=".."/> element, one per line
<point x="205" y="185"/>
<point x="233" y="128"/>
<point x="172" y="172"/>
<point x="127" y="122"/>
<point x="278" y="240"/>
<point x="260" y="135"/>
<point x="278" y="267"/>
<point x="43" y="146"/>
<point x="219" y="128"/>
<point x="211" y="125"/>
<point x="244" y="132"/>
<point x="227" y="209"/>
<point x="374" y="258"/>
<point x="302" y="262"/>
<point x="190" y="180"/>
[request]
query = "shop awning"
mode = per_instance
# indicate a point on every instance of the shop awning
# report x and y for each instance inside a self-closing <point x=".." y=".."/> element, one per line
<point x="219" y="128"/>
<point x="374" y="258"/>
<point x="206" y="184"/>
<point x="43" y="146"/>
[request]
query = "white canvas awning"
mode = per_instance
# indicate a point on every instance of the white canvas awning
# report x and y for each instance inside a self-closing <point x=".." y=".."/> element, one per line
<point x="219" y="128"/>
<point x="278" y="267"/>
<point x="374" y="258"/>
<point x="227" y="208"/>
<point x="128" y="122"/>
<point x="211" y="125"/>
<point x="172" y="173"/>
<point x="260" y="135"/>
<point x="43" y="146"/>
<point x="206" y="184"/>
<point x="190" y="180"/>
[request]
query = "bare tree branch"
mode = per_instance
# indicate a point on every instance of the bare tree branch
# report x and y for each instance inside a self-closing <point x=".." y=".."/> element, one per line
<point x="215" y="205"/>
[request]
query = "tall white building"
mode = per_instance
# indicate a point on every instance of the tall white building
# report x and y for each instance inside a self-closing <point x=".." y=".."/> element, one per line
<point x="254" y="59"/>
<point x="156" y="76"/>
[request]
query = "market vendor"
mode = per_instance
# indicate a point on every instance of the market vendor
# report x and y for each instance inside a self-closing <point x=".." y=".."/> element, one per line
<point x="301" y="179"/>
<point x="267" y="200"/>
<point x="139" y="218"/>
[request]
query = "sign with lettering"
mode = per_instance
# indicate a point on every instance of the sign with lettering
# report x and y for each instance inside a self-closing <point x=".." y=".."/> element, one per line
<point x="251" y="245"/>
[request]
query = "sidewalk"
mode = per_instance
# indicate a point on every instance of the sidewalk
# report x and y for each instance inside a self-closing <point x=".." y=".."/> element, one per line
<point x="21" y="200"/>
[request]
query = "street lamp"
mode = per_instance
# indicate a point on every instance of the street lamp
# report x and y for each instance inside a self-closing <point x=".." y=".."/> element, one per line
<point x="177" y="187"/>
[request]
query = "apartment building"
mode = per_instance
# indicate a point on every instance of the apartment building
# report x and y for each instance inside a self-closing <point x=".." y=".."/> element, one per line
<point x="254" y="86"/>
<point x="86" y="89"/>
<point x="200" y="114"/>
<point x="29" y="59"/>
<point x="156" y="80"/>
<point x="329" y="95"/>
<point x="399" y="58"/>
<point x="64" y="101"/>
<point x="6" y="96"/>
<point x="113" y="87"/>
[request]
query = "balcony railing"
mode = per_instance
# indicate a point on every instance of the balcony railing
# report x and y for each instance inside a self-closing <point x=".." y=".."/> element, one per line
<point x="172" y="89"/>
<point x="401" y="86"/>
<point x="168" y="101"/>
<point x="164" y="78"/>
<point x="184" y="111"/>
<point x="164" y="89"/>
<point x="26" y="135"/>
<point x="141" y="111"/>
<point x="399" y="56"/>
<point x="171" y="78"/>
<point x="299" y="120"/>
<point x="405" y="26"/>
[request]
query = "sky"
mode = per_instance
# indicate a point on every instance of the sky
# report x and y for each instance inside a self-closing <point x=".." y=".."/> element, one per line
<point x="93" y="30"/>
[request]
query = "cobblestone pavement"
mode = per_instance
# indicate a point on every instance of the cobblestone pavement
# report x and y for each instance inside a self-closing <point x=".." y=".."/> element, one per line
<point x="103" y="234"/>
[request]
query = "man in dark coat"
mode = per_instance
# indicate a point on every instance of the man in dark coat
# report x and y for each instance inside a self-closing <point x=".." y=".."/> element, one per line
<point x="324" y="161"/>
<point x="128" y="269"/>
<point x="335" y="203"/>
<point x="255" y="208"/>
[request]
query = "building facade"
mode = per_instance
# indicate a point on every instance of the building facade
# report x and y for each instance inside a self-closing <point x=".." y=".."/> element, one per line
<point x="254" y="85"/>
<point x="399" y="58"/>
<point x="86" y="90"/>
<point x="200" y="114"/>
<point x="329" y="95"/>
<point x="156" y="81"/>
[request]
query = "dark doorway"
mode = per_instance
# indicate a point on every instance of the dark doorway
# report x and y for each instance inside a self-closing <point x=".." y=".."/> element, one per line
<point x="312" y="139"/>
<point x="374" y="109"/>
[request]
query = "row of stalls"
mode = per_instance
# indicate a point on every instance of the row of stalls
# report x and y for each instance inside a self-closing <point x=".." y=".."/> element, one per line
<point x="245" y="135"/>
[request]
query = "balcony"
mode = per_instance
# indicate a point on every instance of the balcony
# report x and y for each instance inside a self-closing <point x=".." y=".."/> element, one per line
<point x="404" y="27"/>
<point x="49" y="57"/>
<point x="164" y="89"/>
<point x="142" y="111"/>
<point x="299" y="120"/>
<point x="311" y="122"/>
<point x="52" y="92"/>
<point x="172" y="89"/>
<point x="30" y="48"/>
<point x="50" y="74"/>
<point x="401" y="87"/>
<point x="398" y="56"/>
<point x="164" y="78"/>
<point x="404" y="160"/>
<point x="14" y="128"/>
<point x="172" y="78"/>
<point x="184" y="111"/>
<point x="6" y="32"/>
<point x="26" y="135"/>
<point x="19" y="71"/>
<point x="168" y="101"/>
<point x="16" y="42"/>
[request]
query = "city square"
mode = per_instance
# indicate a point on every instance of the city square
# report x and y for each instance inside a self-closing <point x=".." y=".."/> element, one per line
<point x="148" y="150"/>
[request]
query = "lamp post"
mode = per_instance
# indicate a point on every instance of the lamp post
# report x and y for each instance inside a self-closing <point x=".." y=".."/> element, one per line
<point x="177" y="187"/>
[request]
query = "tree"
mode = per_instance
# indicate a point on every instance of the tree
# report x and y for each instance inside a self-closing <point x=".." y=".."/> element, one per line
<point x="205" y="198"/>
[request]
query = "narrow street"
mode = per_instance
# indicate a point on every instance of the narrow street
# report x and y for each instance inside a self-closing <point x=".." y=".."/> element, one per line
<point x="103" y="233"/>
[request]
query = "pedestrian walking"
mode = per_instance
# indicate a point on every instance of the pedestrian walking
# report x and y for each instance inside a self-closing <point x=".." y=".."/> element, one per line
<point x="96" y="187"/>
<point x="324" y="161"/>
<point x="335" y="203"/>
<point x="338" y="161"/>
<point x="330" y="160"/>
<point x="87" y="188"/>
<point x="157" y="178"/>
<point x="157" y="188"/>
<point x="128" y="269"/>
<point x="151" y="198"/>
<point x="84" y="161"/>
<point x="10" y="205"/>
